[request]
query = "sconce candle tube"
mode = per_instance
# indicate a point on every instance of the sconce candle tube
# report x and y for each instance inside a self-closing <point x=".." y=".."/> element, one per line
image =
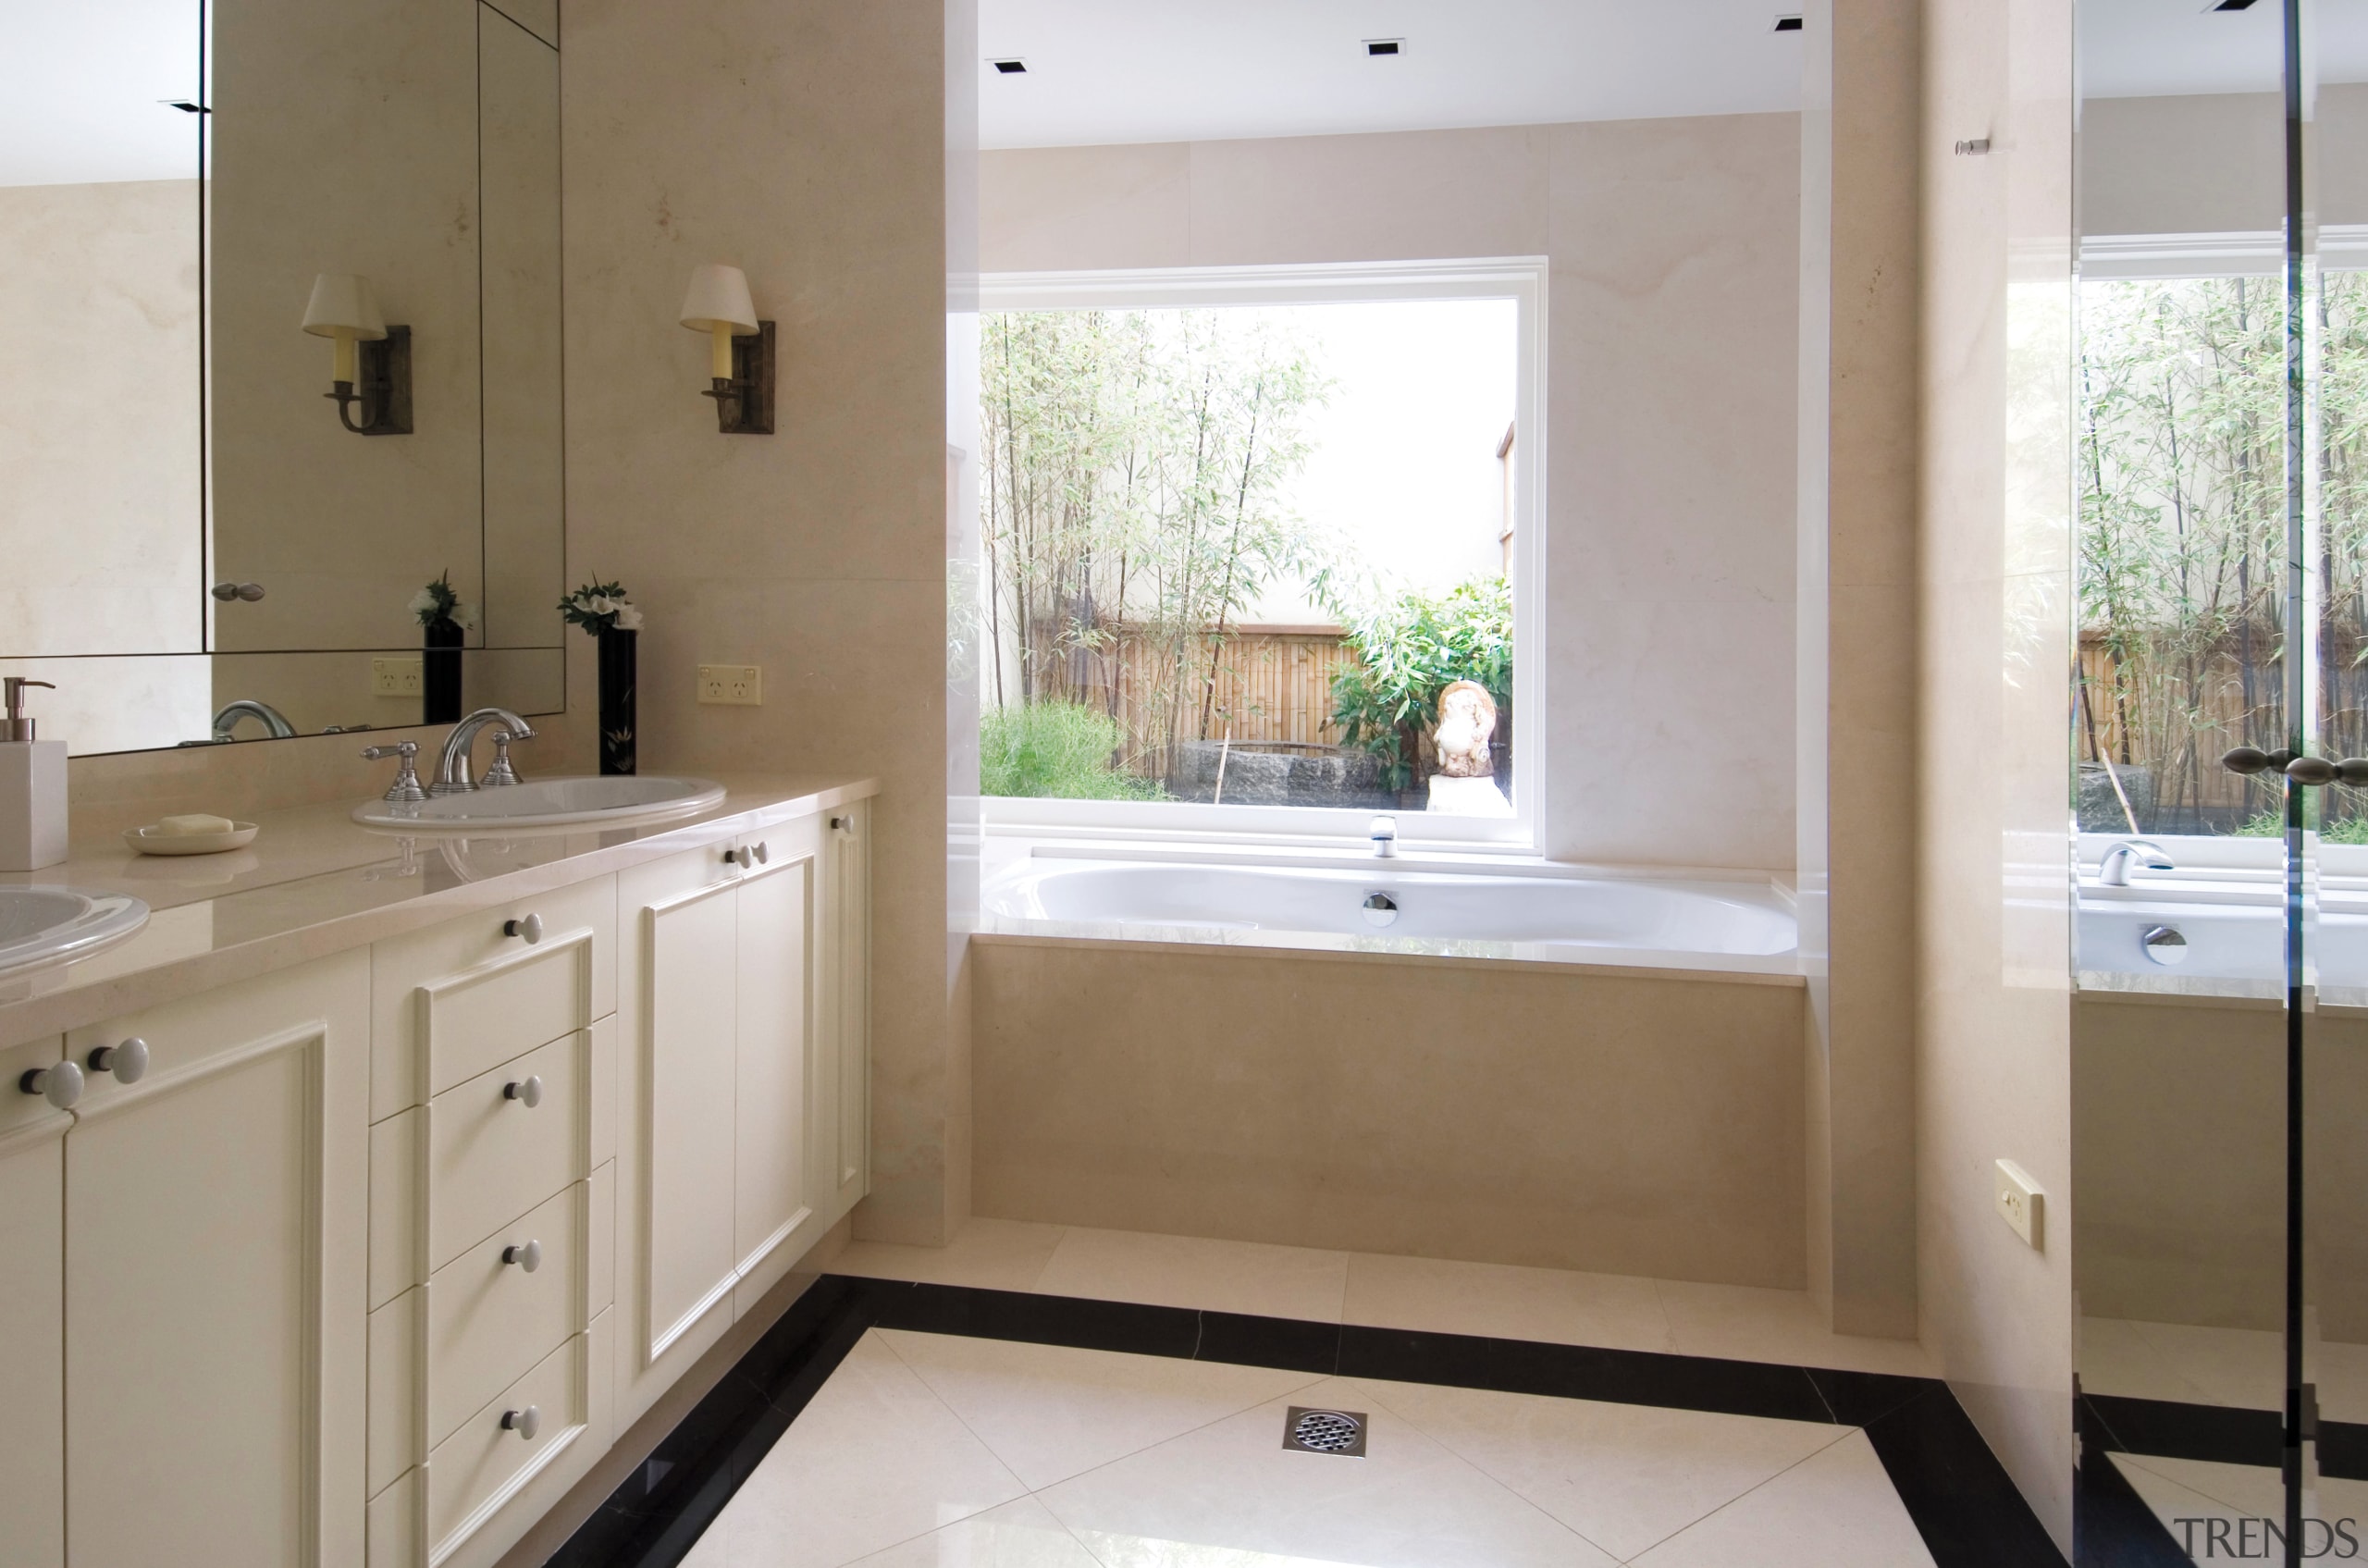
<point x="345" y="358"/>
<point x="719" y="359"/>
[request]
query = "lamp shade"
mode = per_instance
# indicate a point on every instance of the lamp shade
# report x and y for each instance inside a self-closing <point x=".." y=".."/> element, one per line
<point x="719" y="297"/>
<point x="343" y="302"/>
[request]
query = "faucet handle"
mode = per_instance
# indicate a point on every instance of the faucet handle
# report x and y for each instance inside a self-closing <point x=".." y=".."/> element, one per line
<point x="405" y="790"/>
<point x="502" y="771"/>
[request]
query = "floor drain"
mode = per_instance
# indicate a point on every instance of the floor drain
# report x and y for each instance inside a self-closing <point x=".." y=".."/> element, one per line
<point x="1325" y="1431"/>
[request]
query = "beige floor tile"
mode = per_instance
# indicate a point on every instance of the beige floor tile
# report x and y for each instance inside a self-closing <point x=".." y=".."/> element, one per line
<point x="2117" y="1359"/>
<point x="876" y="1459"/>
<point x="1049" y="1412"/>
<point x="1616" y="1311"/>
<point x="1017" y="1534"/>
<point x="1191" y="1271"/>
<point x="1745" y="1322"/>
<point x="1835" y="1507"/>
<point x="2340" y="1370"/>
<point x="1625" y="1476"/>
<point x="2254" y="1489"/>
<point x="1229" y="1494"/>
<point x="2245" y="1367"/>
<point x="994" y="1254"/>
<point x="2197" y="1491"/>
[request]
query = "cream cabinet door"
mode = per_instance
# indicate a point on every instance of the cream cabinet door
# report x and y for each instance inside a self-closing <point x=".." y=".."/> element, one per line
<point x="32" y="1318"/>
<point x="772" y="1201"/>
<point x="678" y="1001"/>
<point x="215" y="1213"/>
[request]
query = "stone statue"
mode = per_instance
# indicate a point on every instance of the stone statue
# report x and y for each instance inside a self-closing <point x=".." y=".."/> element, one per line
<point x="1467" y="721"/>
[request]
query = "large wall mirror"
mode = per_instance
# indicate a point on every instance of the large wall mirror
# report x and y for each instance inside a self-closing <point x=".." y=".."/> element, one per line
<point x="214" y="215"/>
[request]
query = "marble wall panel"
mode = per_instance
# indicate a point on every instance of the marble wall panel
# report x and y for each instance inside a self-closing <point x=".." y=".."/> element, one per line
<point x="1439" y="1108"/>
<point x="1994" y="563"/>
<point x="1670" y="379"/>
<point x="805" y="146"/>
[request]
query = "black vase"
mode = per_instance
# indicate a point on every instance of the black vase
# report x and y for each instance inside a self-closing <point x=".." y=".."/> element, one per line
<point x="440" y="672"/>
<point x="616" y="700"/>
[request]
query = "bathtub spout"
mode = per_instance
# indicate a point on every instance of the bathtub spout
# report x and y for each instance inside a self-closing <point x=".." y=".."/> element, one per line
<point x="1385" y="837"/>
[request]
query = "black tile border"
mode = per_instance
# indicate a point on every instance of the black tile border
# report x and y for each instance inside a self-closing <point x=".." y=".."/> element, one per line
<point x="1953" y="1487"/>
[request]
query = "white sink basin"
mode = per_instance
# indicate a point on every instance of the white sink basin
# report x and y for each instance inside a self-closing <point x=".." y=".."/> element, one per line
<point x="43" y="926"/>
<point x="549" y="803"/>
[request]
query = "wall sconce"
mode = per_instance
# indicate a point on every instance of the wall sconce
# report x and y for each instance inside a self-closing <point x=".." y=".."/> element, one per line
<point x="742" y="364"/>
<point x="370" y="355"/>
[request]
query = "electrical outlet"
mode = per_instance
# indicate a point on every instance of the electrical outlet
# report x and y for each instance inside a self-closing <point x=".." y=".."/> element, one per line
<point x="401" y="675"/>
<point x="2019" y="1200"/>
<point x="739" y="684"/>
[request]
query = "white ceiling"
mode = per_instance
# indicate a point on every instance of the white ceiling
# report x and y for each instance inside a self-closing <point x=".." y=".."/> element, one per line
<point x="1168" y="70"/>
<point x="2160" y="48"/>
<point x="82" y="84"/>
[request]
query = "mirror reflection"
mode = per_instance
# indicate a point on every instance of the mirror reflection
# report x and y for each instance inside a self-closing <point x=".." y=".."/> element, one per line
<point x="280" y="366"/>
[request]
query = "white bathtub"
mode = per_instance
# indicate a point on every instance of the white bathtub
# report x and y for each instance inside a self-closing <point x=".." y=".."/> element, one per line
<point x="1662" y="923"/>
<point x="2222" y="941"/>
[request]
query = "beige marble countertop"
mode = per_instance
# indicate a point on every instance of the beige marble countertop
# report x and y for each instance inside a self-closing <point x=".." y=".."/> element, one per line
<point x="315" y="883"/>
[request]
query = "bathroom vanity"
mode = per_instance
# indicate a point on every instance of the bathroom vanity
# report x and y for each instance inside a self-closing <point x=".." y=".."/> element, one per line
<point x="438" y="1161"/>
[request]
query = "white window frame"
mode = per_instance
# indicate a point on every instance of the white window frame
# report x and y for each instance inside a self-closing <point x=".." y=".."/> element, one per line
<point x="1520" y="279"/>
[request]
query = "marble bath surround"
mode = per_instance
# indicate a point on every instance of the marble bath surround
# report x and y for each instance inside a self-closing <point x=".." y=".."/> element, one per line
<point x="1608" y="1116"/>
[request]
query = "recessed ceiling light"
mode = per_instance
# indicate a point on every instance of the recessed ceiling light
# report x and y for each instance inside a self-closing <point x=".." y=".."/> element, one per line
<point x="1788" y="24"/>
<point x="1013" y="66"/>
<point x="1384" y="48"/>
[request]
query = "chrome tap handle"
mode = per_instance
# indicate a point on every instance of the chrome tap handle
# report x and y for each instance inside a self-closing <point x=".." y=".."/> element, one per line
<point x="502" y="771"/>
<point x="405" y="790"/>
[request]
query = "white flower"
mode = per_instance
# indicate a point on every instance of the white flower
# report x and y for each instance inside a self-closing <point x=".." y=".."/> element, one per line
<point x="628" y="618"/>
<point x="464" y="615"/>
<point x="599" y="604"/>
<point x="423" y="602"/>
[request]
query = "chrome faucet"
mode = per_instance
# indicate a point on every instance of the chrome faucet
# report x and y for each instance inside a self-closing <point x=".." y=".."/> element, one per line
<point x="1385" y="837"/>
<point x="2119" y="860"/>
<point x="274" y="722"/>
<point x="454" y="774"/>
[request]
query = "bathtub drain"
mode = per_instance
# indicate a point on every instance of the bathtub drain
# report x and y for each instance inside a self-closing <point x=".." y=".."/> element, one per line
<point x="1325" y="1431"/>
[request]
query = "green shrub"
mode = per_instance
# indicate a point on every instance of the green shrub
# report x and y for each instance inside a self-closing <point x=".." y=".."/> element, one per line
<point x="1062" y="750"/>
<point x="1410" y="650"/>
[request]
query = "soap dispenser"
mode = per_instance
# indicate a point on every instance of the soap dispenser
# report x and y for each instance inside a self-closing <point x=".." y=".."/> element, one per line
<point x="32" y="787"/>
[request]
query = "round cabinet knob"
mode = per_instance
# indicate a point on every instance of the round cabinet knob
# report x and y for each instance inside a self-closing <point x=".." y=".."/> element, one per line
<point x="528" y="1257"/>
<point x="525" y="1423"/>
<point x="2352" y="770"/>
<point x="762" y="857"/>
<point x="527" y="1091"/>
<point x="740" y="857"/>
<point x="842" y="826"/>
<point x="530" y="927"/>
<point x="127" y="1061"/>
<point x="60" y="1085"/>
<point x="2311" y="771"/>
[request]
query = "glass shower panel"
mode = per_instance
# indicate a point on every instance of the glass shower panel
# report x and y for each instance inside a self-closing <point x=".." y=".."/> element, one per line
<point x="2191" y="873"/>
<point x="2328" y="1361"/>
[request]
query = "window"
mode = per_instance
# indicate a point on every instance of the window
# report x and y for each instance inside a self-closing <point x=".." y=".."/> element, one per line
<point x="1256" y="549"/>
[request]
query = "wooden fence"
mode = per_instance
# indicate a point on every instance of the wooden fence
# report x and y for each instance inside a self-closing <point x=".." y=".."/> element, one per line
<point x="1271" y="684"/>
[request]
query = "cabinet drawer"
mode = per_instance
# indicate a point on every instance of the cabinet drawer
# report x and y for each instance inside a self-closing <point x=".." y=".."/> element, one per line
<point x="492" y="1156"/>
<point x="458" y="999"/>
<point x="482" y="1465"/>
<point x="488" y="1321"/>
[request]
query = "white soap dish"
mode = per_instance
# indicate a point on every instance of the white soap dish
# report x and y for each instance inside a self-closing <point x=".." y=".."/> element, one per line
<point x="148" y="840"/>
